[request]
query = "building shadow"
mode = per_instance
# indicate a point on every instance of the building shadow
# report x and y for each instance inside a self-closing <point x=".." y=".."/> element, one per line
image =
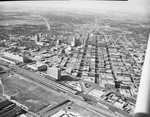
<point x="67" y="78"/>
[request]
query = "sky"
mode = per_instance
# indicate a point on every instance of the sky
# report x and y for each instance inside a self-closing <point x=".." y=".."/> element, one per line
<point x="132" y="6"/>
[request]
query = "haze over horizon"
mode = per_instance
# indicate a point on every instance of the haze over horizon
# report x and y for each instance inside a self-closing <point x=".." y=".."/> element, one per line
<point x="131" y="6"/>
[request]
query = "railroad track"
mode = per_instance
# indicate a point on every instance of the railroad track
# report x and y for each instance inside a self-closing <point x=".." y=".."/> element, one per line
<point x="45" y="81"/>
<point x="72" y="94"/>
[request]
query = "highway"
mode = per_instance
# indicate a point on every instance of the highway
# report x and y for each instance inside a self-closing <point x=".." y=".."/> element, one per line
<point x="47" y="24"/>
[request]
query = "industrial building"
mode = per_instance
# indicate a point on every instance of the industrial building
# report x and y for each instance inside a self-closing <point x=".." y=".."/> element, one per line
<point x="15" y="58"/>
<point x="3" y="60"/>
<point x="37" y="66"/>
<point x="7" y="109"/>
<point x="54" y="72"/>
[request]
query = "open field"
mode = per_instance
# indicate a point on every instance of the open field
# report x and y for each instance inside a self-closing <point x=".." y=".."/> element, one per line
<point x="22" y="20"/>
<point x="18" y="23"/>
<point x="13" y="18"/>
<point x="29" y="94"/>
<point x="18" y="30"/>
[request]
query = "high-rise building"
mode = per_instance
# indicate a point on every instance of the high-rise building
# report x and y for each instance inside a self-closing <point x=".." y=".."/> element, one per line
<point x="38" y="38"/>
<point x="82" y="41"/>
<point x="58" y="42"/>
<point x="62" y="51"/>
<point x="40" y="35"/>
<point x="73" y="42"/>
<point x="54" y="72"/>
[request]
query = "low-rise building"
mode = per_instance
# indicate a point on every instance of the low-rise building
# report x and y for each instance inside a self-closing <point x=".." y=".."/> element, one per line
<point x="15" y="58"/>
<point x="37" y="66"/>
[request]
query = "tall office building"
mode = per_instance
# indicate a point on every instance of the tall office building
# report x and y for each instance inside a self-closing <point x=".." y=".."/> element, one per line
<point x="38" y="38"/>
<point x="58" y="42"/>
<point x="63" y="51"/>
<point x="54" y="72"/>
<point x="82" y="41"/>
<point x="73" y="42"/>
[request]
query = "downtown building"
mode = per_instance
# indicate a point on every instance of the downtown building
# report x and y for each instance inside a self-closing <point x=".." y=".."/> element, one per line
<point x="16" y="59"/>
<point x="54" y="73"/>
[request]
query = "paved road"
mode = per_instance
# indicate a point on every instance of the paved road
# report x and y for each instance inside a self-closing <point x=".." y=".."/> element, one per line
<point x="131" y="55"/>
<point x="48" y="26"/>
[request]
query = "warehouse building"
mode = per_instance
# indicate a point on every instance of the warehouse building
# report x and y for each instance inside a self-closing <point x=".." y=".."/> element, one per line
<point x="15" y="58"/>
<point x="37" y="66"/>
<point x="7" y="109"/>
<point x="3" y="61"/>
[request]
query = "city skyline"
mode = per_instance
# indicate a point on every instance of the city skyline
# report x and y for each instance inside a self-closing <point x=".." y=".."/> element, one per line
<point x="73" y="58"/>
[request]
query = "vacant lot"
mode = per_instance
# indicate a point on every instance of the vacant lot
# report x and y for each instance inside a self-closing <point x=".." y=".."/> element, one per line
<point x="29" y="94"/>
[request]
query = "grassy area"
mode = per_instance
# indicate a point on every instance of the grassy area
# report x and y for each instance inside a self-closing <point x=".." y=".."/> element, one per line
<point x="9" y="88"/>
<point x="12" y="18"/>
<point x="30" y="100"/>
<point x="29" y="94"/>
